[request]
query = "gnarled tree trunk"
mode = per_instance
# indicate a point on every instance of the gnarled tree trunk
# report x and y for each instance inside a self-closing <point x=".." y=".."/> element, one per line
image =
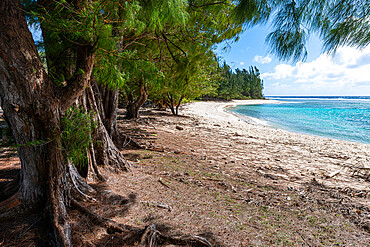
<point x="33" y="105"/>
<point x="133" y="106"/>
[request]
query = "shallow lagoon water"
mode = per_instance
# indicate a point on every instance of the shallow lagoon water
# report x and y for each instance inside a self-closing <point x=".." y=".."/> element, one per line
<point x="343" y="118"/>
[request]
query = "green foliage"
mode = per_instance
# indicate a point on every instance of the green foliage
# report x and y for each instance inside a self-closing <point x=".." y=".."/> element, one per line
<point x="125" y="54"/>
<point x="289" y="38"/>
<point x="349" y="24"/>
<point x="185" y="54"/>
<point x="243" y="84"/>
<point x="338" y="22"/>
<point x="77" y="127"/>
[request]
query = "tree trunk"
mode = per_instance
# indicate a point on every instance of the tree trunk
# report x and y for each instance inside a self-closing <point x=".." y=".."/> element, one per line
<point x="170" y="103"/>
<point x="105" y="151"/>
<point x="31" y="117"/>
<point x="178" y="105"/>
<point x="33" y="105"/>
<point x="110" y="108"/>
<point x="134" y="105"/>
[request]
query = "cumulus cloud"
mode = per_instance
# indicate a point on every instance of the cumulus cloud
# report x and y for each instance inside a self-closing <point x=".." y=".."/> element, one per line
<point x="262" y="60"/>
<point x="347" y="69"/>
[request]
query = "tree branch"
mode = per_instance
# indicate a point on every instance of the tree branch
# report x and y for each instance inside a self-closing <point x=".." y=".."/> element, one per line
<point x="179" y="48"/>
<point x="81" y="78"/>
<point x="206" y="5"/>
<point x="169" y="49"/>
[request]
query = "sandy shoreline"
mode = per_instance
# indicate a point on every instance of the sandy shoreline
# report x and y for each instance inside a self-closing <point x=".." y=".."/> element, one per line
<point x="217" y="110"/>
<point x="226" y="172"/>
<point x="299" y="154"/>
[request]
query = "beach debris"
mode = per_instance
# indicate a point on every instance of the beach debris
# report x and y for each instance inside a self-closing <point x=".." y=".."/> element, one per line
<point x="165" y="206"/>
<point x="161" y="181"/>
<point x="234" y="189"/>
<point x="158" y="204"/>
<point x="303" y="238"/>
<point x="156" y="149"/>
<point x="212" y="179"/>
<point x="333" y="174"/>
<point x="361" y="172"/>
<point x="179" y="127"/>
<point x="223" y="185"/>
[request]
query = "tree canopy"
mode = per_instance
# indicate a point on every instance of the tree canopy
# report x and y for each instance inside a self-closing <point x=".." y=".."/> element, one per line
<point x="241" y="84"/>
<point x="338" y="23"/>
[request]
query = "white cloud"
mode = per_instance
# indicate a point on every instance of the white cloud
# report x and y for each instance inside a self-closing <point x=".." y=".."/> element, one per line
<point x="348" y="69"/>
<point x="262" y="60"/>
<point x="241" y="63"/>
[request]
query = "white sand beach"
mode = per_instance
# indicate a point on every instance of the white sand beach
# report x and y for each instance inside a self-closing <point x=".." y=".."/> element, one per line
<point x="249" y="184"/>
<point x="332" y="162"/>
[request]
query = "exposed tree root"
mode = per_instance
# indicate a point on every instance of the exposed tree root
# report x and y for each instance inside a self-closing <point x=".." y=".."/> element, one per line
<point x="80" y="187"/>
<point x="149" y="236"/>
<point x="152" y="238"/>
<point x="123" y="141"/>
<point x="78" y="191"/>
<point x="93" y="166"/>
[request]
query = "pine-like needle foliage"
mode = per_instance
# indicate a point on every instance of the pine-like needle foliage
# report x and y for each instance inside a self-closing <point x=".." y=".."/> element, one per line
<point x="77" y="126"/>
<point x="338" y="22"/>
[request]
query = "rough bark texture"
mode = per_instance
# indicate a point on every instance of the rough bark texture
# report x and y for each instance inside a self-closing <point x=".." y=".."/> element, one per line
<point x="134" y="105"/>
<point x="106" y="153"/>
<point x="33" y="105"/>
<point x="30" y="110"/>
<point x="110" y="106"/>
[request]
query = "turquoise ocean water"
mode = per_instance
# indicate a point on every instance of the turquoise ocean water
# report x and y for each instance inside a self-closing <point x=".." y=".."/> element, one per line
<point x="337" y="117"/>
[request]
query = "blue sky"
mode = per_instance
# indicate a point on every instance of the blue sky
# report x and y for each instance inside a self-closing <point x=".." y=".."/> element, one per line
<point x="345" y="73"/>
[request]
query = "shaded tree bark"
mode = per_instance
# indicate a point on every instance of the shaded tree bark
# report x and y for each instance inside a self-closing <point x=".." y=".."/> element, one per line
<point x="110" y="108"/>
<point x="33" y="105"/>
<point x="133" y="106"/>
<point x="105" y="151"/>
<point x="173" y="105"/>
<point x="106" y="105"/>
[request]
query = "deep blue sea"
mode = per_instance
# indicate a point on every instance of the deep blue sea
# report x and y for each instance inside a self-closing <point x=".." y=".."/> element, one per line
<point x="337" y="117"/>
